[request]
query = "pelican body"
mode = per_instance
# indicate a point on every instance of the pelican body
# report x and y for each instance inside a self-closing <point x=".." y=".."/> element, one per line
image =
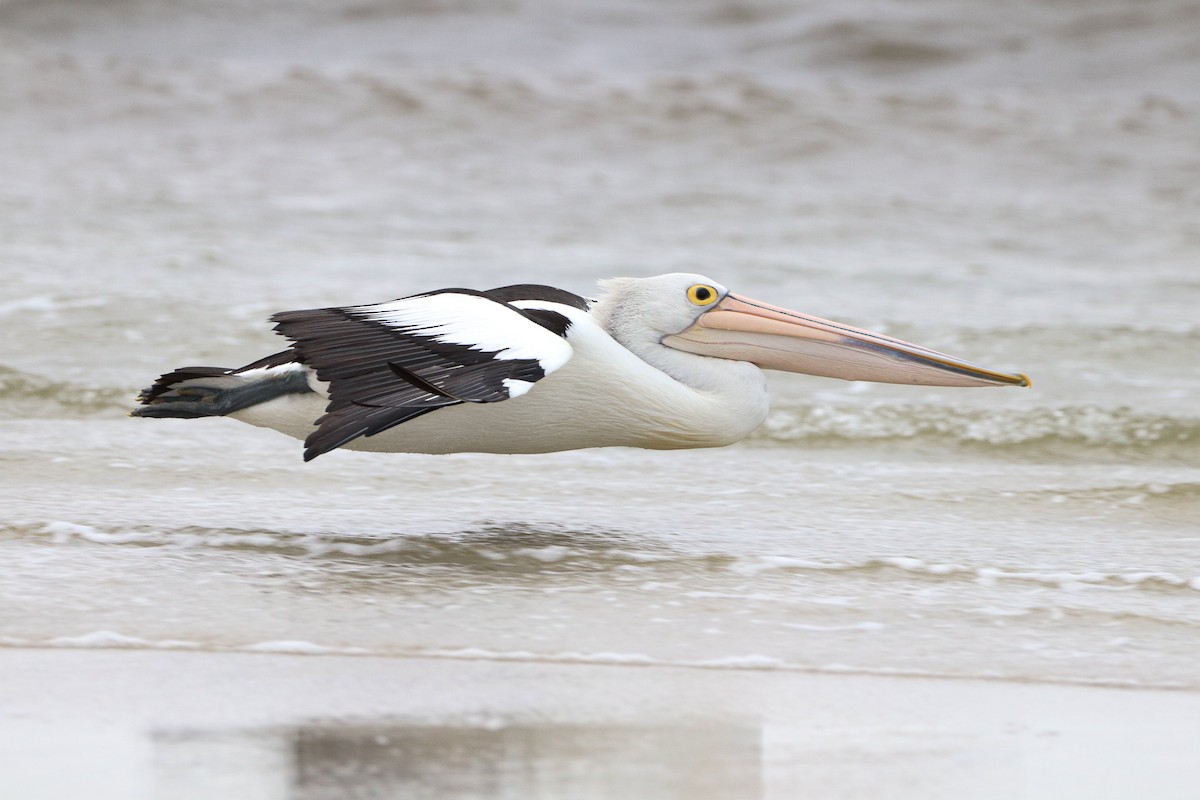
<point x="673" y="361"/>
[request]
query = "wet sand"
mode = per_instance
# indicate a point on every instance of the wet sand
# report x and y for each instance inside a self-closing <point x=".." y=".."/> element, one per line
<point x="137" y="724"/>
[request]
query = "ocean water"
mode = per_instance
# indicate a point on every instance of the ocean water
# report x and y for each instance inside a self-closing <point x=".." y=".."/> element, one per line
<point x="1019" y="186"/>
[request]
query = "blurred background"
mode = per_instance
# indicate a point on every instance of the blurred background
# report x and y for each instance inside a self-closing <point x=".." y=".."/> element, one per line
<point x="1026" y="172"/>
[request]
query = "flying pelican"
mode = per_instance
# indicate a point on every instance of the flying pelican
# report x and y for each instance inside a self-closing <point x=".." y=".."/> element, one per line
<point x="663" y="363"/>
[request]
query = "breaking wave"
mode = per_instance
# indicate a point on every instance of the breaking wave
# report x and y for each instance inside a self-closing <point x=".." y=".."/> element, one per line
<point x="1079" y="430"/>
<point x="518" y="551"/>
<point x="25" y="395"/>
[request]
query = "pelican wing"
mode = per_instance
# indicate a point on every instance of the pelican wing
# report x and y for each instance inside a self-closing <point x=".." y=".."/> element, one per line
<point x="388" y="363"/>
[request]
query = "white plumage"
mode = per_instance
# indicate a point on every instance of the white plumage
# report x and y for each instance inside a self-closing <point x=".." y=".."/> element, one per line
<point x="473" y="322"/>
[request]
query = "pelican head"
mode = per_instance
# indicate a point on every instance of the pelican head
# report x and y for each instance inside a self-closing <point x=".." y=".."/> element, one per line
<point x="695" y="314"/>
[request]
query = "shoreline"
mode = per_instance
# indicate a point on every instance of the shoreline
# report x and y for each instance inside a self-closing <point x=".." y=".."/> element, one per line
<point x="750" y="663"/>
<point x="140" y="723"/>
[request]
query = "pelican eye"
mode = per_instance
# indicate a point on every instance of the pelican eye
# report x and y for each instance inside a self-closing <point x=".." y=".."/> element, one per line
<point x="702" y="295"/>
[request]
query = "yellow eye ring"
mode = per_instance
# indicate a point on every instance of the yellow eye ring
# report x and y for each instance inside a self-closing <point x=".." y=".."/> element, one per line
<point x="702" y="294"/>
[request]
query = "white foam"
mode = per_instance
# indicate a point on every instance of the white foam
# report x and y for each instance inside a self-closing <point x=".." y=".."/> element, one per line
<point x="1074" y="581"/>
<point x="911" y="564"/>
<point x="859" y="626"/>
<point x="607" y="658"/>
<point x="112" y="639"/>
<point x="482" y="654"/>
<point x="548" y="554"/>
<point x="761" y="563"/>
<point x="62" y="531"/>
<point x="301" y="647"/>
<point x="49" y="305"/>
<point x="742" y="662"/>
<point x="1084" y="580"/>
<point x="1164" y="577"/>
<point x="996" y="611"/>
<point x="613" y="658"/>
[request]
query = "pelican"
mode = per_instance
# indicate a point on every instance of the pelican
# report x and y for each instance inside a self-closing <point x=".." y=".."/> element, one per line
<point x="673" y="361"/>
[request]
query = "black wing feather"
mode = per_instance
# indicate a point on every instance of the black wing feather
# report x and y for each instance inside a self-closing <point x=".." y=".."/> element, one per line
<point x="381" y="375"/>
<point x="536" y="291"/>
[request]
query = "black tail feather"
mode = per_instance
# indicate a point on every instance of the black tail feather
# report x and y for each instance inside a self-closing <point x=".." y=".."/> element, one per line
<point x="166" y="382"/>
<point x="191" y="392"/>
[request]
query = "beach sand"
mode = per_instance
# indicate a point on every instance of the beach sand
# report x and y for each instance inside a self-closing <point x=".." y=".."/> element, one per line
<point x="138" y="724"/>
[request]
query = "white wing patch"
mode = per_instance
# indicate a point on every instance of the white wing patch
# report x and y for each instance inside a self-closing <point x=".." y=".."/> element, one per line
<point x="476" y="323"/>
<point x="517" y="387"/>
